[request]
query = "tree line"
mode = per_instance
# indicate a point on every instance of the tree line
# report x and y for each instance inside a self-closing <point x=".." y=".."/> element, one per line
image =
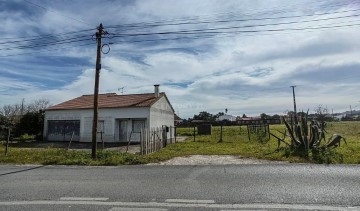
<point x="320" y="113"/>
<point x="23" y="118"/>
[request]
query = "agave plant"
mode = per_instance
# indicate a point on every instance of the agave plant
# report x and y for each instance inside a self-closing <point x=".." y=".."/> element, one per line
<point x="334" y="141"/>
<point x="307" y="136"/>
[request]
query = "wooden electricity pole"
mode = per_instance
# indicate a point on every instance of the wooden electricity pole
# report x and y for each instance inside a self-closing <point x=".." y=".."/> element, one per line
<point x="7" y="141"/>
<point x="96" y="90"/>
<point x="295" y="112"/>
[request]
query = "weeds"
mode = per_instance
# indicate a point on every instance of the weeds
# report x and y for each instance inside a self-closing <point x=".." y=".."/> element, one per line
<point x="235" y="142"/>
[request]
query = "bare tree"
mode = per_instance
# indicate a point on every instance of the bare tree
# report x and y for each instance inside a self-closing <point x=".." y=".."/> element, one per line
<point x="9" y="115"/>
<point x="37" y="105"/>
<point x="11" y="112"/>
<point x="321" y="113"/>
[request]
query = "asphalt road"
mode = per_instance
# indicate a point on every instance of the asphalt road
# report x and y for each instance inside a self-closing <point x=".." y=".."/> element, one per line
<point x="228" y="187"/>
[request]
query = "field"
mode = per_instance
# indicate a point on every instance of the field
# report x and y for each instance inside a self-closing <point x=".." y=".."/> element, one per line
<point x="235" y="142"/>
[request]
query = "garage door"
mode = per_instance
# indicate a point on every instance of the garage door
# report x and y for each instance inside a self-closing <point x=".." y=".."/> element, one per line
<point x="62" y="130"/>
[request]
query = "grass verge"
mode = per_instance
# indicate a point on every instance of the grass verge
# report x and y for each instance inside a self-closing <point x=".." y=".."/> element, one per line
<point x="235" y="142"/>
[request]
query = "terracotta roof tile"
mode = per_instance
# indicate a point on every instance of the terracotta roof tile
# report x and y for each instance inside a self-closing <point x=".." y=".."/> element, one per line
<point x="109" y="100"/>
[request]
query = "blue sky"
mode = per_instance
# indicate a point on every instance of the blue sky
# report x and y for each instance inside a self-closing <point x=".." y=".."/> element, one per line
<point x="240" y="55"/>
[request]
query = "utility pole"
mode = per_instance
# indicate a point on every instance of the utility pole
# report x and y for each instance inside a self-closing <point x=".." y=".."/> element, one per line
<point x="22" y="106"/>
<point x="96" y="89"/>
<point x="295" y="112"/>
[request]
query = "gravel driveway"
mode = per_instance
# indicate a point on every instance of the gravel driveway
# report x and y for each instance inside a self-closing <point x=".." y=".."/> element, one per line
<point x="213" y="160"/>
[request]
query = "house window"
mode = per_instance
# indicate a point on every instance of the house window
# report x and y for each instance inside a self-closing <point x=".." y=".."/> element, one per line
<point x="137" y="125"/>
<point x="63" y="127"/>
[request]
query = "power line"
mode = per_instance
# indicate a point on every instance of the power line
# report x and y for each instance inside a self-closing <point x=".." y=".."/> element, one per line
<point x="220" y="21"/>
<point x="259" y="13"/>
<point x="231" y="27"/>
<point x="65" y="41"/>
<point x="235" y="20"/>
<point x="193" y="31"/>
<point x="203" y="33"/>
<point x="38" y="42"/>
<point x="47" y="35"/>
<point x="232" y="14"/>
<point x="45" y="50"/>
<point x="210" y="33"/>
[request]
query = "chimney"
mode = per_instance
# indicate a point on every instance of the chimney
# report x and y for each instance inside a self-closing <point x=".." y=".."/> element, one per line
<point x="156" y="90"/>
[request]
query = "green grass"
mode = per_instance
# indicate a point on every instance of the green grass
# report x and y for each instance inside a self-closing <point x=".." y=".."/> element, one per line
<point x="63" y="157"/>
<point x="235" y="142"/>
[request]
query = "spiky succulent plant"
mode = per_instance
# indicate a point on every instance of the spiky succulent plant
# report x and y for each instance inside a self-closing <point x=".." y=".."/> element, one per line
<point x="305" y="136"/>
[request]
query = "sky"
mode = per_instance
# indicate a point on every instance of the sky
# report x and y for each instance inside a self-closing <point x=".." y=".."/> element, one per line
<point x="207" y="55"/>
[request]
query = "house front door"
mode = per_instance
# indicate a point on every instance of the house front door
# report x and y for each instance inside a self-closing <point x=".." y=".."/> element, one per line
<point x="137" y="126"/>
<point x="123" y="131"/>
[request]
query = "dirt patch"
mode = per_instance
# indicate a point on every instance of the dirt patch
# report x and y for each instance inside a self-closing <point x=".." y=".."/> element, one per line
<point x="214" y="160"/>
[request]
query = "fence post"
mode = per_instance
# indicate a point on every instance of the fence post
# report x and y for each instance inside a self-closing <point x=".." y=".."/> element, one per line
<point x="153" y="142"/>
<point x="102" y="140"/>
<point x="72" y="135"/>
<point x="194" y="133"/>
<point x="171" y="136"/>
<point x="164" y="136"/>
<point x="163" y="131"/>
<point x="156" y="140"/>
<point x="175" y="133"/>
<point x="7" y="141"/>
<point x="160" y="142"/>
<point x="141" y="142"/>
<point x="147" y="141"/>
<point x="221" y="131"/>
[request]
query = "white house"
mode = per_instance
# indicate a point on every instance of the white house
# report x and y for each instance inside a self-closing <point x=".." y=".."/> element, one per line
<point x="121" y="117"/>
<point x="227" y="117"/>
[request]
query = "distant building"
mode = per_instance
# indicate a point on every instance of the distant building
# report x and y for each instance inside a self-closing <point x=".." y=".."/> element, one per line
<point x="257" y="120"/>
<point x="226" y="117"/>
<point x="177" y="119"/>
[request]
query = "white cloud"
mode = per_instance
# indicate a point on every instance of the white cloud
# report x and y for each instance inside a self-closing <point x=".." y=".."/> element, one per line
<point x="246" y="73"/>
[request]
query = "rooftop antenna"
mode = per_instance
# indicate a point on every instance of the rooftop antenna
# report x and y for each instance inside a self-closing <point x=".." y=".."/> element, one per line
<point x="122" y="90"/>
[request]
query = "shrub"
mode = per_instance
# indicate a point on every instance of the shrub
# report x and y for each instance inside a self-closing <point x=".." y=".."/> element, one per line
<point x="305" y="136"/>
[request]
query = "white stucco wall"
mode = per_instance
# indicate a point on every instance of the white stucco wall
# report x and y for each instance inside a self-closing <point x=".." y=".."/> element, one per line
<point x="161" y="114"/>
<point x="227" y="117"/>
<point x="110" y="117"/>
